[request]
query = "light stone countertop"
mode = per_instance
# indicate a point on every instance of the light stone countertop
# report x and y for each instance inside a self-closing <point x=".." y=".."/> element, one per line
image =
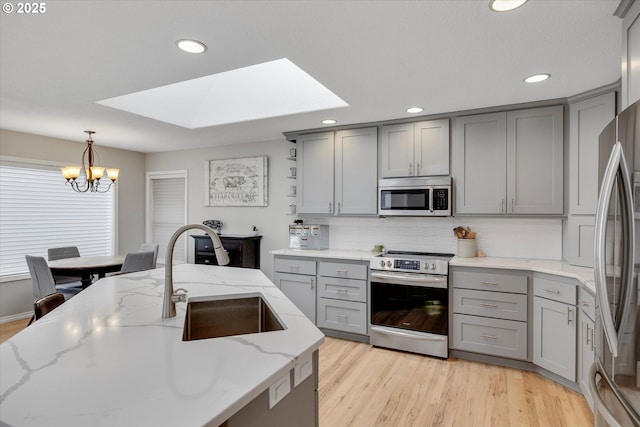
<point x="107" y="358"/>
<point x="555" y="267"/>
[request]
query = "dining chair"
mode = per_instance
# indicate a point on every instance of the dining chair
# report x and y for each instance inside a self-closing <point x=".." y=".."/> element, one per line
<point x="145" y="247"/>
<point x="62" y="253"/>
<point x="137" y="261"/>
<point x="44" y="305"/>
<point x="42" y="280"/>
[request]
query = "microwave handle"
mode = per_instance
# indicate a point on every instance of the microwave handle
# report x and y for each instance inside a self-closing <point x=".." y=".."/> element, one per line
<point x="431" y="199"/>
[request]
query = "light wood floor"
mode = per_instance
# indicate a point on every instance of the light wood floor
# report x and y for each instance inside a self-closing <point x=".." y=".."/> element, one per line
<point x="363" y="386"/>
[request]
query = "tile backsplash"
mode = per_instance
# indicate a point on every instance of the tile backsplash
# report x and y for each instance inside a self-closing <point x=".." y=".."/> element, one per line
<point x="501" y="237"/>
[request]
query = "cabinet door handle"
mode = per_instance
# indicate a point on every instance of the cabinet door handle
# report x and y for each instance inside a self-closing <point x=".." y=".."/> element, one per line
<point x="593" y="340"/>
<point x="312" y="283"/>
<point x="553" y="291"/>
<point x="489" y="305"/>
<point x="410" y="168"/>
<point x="330" y="210"/>
<point x="339" y="207"/>
<point x="589" y="337"/>
<point x="569" y="315"/>
<point x="417" y="168"/>
<point x="489" y="337"/>
<point x="512" y="206"/>
<point x="501" y="205"/>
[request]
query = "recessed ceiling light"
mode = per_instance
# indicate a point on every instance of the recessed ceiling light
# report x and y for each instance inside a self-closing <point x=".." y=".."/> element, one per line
<point x="505" y="5"/>
<point x="537" y="78"/>
<point x="191" y="46"/>
<point x="329" y="122"/>
<point x="415" y="110"/>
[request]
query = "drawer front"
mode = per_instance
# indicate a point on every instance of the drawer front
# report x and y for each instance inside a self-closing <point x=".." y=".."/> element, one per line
<point x="206" y="259"/>
<point x="295" y="266"/>
<point x="344" y="316"/>
<point x="554" y="290"/>
<point x="504" y="338"/>
<point x="490" y="304"/>
<point x="490" y="281"/>
<point x="343" y="289"/>
<point x="343" y="270"/>
<point x="587" y="303"/>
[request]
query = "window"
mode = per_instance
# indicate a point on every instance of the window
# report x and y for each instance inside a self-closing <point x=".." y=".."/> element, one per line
<point x="38" y="211"/>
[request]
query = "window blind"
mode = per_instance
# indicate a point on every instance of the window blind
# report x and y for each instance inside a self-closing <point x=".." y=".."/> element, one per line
<point x="167" y="215"/>
<point x="38" y="211"/>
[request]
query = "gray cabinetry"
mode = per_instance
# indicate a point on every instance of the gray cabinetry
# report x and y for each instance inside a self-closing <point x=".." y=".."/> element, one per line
<point x="342" y="296"/>
<point x="337" y="172"/>
<point x="296" y="278"/>
<point x="586" y="340"/>
<point x="554" y="325"/>
<point x="415" y="149"/>
<point x="356" y="171"/>
<point x="314" y="183"/>
<point x="509" y="163"/>
<point x="489" y="312"/>
<point x="587" y="118"/>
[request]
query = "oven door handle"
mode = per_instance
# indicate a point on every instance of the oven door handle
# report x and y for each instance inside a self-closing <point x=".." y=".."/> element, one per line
<point x="424" y="280"/>
<point x="398" y="333"/>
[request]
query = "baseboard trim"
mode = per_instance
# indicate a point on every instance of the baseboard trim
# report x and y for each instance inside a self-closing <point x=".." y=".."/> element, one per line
<point x="14" y="317"/>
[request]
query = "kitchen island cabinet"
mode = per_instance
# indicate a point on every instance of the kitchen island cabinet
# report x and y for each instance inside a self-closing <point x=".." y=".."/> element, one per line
<point x="509" y="162"/>
<point x="130" y="367"/>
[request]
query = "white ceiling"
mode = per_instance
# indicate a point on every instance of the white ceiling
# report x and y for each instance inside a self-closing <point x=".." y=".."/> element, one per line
<point x="378" y="56"/>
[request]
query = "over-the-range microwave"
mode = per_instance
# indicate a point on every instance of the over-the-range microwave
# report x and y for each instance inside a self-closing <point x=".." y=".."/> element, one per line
<point x="420" y="196"/>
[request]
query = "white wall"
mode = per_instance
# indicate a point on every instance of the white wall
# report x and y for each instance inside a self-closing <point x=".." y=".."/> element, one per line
<point x="16" y="297"/>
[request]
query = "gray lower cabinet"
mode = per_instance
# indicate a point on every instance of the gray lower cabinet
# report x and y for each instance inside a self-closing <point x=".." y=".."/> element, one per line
<point x="586" y="341"/>
<point x="554" y="325"/>
<point x="342" y="296"/>
<point x="296" y="278"/>
<point x="489" y="312"/>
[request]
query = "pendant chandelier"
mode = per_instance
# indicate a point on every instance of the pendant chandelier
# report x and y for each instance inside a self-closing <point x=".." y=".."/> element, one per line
<point x="93" y="174"/>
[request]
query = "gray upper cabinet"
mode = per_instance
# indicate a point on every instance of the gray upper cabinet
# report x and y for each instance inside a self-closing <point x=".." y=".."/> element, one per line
<point x="356" y="171"/>
<point x="337" y="172"/>
<point x="510" y="162"/>
<point x="315" y="173"/>
<point x="415" y="149"/>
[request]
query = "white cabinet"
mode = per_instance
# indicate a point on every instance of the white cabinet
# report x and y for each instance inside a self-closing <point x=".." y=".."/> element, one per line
<point x="314" y="184"/>
<point x="296" y="278"/>
<point x="587" y="118"/>
<point x="415" y="149"/>
<point x="345" y="158"/>
<point x="554" y="326"/>
<point x="631" y="55"/>
<point x="356" y="171"/>
<point x="489" y="312"/>
<point x="509" y="162"/>
<point x="342" y="296"/>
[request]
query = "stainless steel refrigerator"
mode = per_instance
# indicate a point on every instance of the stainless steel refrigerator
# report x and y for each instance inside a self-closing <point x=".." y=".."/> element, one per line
<point x="615" y="375"/>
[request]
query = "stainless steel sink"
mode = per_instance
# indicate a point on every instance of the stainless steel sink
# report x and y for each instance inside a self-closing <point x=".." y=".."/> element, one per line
<point x="214" y="317"/>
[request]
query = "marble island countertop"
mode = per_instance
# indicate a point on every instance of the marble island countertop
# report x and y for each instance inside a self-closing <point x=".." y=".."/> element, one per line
<point x="557" y="267"/>
<point x="106" y="357"/>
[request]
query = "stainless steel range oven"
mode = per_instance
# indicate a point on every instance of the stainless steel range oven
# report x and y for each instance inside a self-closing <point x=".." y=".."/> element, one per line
<point x="409" y="302"/>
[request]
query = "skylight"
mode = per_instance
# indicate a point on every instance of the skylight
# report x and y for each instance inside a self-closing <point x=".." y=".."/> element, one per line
<point x="271" y="89"/>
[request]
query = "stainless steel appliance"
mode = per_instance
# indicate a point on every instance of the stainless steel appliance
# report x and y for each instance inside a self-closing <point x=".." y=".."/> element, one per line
<point x="615" y="375"/>
<point x="308" y="236"/>
<point x="409" y="302"/>
<point x="426" y="196"/>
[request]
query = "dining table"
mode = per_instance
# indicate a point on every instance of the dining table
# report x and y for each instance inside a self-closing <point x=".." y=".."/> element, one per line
<point x="86" y="266"/>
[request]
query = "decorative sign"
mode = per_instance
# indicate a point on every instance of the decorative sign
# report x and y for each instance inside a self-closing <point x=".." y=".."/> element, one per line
<point x="236" y="182"/>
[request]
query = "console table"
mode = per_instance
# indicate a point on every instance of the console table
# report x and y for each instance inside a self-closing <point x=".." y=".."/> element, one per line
<point x="244" y="251"/>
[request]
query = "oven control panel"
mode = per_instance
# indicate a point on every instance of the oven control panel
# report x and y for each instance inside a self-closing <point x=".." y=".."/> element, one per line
<point x="430" y="266"/>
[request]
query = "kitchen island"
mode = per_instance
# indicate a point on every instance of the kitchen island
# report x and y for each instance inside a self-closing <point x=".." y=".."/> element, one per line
<point x="106" y="357"/>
